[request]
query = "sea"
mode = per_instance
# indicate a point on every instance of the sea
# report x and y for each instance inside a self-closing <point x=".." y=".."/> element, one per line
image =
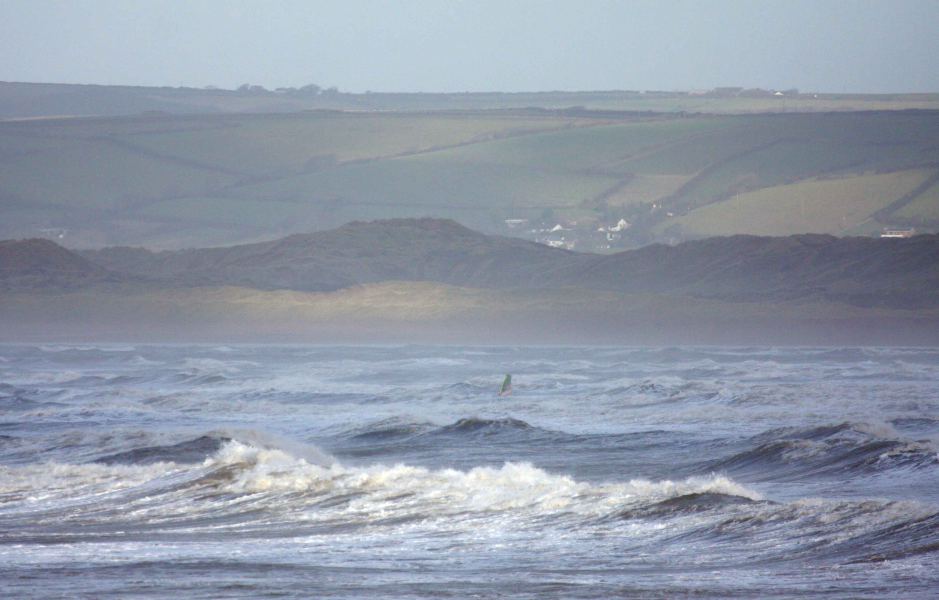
<point x="260" y="471"/>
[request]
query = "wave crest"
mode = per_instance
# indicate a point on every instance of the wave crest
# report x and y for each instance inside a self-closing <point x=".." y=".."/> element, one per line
<point x="513" y="486"/>
<point x="846" y="448"/>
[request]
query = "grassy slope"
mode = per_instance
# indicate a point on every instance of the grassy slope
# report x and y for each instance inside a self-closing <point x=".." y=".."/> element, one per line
<point x="924" y="208"/>
<point x="202" y="180"/>
<point x="97" y="175"/>
<point x="153" y="179"/>
<point x="478" y="194"/>
<point x="277" y="144"/>
<point x="836" y="206"/>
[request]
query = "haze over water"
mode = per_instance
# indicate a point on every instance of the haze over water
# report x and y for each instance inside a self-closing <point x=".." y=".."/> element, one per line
<point x="390" y="472"/>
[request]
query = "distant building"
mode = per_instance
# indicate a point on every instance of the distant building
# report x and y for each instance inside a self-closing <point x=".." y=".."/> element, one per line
<point x="614" y="232"/>
<point x="515" y="223"/>
<point x="561" y="243"/>
<point x="621" y="225"/>
<point x="898" y="233"/>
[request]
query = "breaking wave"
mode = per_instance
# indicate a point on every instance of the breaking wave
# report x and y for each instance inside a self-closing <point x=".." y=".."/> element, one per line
<point x="274" y="479"/>
<point x="845" y="449"/>
<point x="214" y="485"/>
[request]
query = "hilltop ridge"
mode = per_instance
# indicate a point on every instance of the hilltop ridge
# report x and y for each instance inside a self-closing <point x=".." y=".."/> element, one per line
<point x="31" y="100"/>
<point x="439" y="250"/>
<point x="862" y="271"/>
<point x="433" y="280"/>
<point x="41" y="264"/>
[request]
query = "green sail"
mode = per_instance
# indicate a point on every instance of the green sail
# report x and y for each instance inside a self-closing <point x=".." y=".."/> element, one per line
<point x="506" y="386"/>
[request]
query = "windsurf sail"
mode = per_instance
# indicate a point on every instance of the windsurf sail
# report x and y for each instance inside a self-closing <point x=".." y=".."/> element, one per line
<point x="506" y="386"/>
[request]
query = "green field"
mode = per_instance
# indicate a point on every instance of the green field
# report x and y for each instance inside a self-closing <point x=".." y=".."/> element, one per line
<point x="170" y="181"/>
<point x="277" y="144"/>
<point x="83" y="174"/>
<point x="923" y="209"/>
<point x="835" y="206"/>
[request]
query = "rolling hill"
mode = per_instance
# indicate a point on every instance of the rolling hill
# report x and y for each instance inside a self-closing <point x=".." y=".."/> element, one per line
<point x="395" y="250"/>
<point x="39" y="264"/>
<point x="433" y="280"/>
<point x="189" y="181"/>
<point x="896" y="273"/>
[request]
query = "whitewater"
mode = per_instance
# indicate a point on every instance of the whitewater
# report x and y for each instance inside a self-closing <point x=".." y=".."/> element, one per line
<point x="255" y="471"/>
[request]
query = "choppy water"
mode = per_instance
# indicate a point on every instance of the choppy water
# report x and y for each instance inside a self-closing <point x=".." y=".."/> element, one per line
<point x="398" y="472"/>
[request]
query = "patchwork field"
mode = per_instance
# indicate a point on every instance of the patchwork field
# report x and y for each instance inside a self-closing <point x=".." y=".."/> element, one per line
<point x="923" y="209"/>
<point x="173" y="181"/>
<point x="839" y="206"/>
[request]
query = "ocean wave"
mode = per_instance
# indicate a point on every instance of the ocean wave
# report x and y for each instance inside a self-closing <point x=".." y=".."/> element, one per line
<point x="430" y="494"/>
<point x="852" y="531"/>
<point x="57" y="348"/>
<point x="190" y="451"/>
<point x="138" y="360"/>
<point x="253" y="489"/>
<point x="23" y="399"/>
<point x="17" y="403"/>
<point x="360" y="495"/>
<point x="694" y="502"/>
<point x="841" y="449"/>
<point x="197" y="378"/>
<point x="477" y="426"/>
<point x="59" y="376"/>
<point x="388" y="430"/>
<point x="468" y="429"/>
<point x="55" y="486"/>
<point x="209" y="371"/>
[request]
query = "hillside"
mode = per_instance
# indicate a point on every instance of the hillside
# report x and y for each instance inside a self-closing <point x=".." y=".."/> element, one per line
<point x="171" y="182"/>
<point x="396" y="250"/>
<point x="434" y="280"/>
<point x="898" y="273"/>
<point x="37" y="264"/>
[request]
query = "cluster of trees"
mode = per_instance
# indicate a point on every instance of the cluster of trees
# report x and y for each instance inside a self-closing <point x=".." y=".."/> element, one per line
<point x="307" y="90"/>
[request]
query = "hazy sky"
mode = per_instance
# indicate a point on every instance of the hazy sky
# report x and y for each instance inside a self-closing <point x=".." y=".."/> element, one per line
<point x="507" y="45"/>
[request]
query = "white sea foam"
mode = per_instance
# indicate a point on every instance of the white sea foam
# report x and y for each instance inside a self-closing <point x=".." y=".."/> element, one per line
<point x="880" y="430"/>
<point x="140" y="361"/>
<point x="47" y="377"/>
<point x="513" y="486"/>
<point x="380" y="489"/>
<point x="45" y="481"/>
